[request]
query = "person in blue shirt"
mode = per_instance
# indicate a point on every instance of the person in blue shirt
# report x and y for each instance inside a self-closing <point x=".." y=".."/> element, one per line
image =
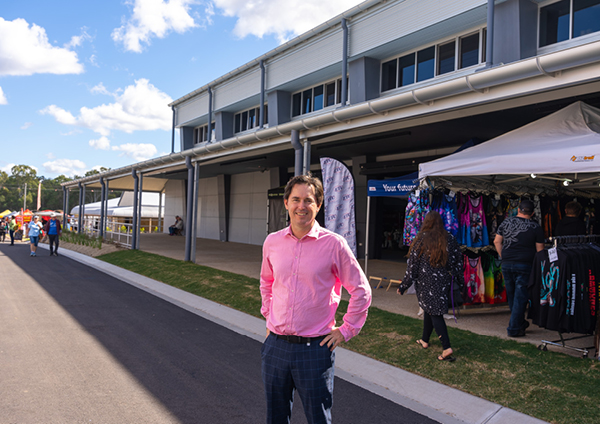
<point x="54" y="230"/>
<point x="34" y="234"/>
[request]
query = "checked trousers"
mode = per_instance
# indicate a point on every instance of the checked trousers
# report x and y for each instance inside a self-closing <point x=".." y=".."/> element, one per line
<point x="287" y="367"/>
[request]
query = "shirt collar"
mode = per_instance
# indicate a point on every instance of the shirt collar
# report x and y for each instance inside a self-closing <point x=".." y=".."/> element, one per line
<point x="314" y="231"/>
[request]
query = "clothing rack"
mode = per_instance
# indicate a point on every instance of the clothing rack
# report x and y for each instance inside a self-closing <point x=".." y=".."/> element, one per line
<point x="565" y="240"/>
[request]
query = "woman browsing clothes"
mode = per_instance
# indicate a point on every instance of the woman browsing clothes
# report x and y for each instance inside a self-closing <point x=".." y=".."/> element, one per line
<point x="434" y="264"/>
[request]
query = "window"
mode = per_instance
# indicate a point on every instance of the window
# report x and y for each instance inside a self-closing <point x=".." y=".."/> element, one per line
<point x="567" y="19"/>
<point x="248" y="119"/>
<point x="439" y="59"/>
<point x="407" y="69"/>
<point x="469" y="51"/>
<point x="446" y="54"/>
<point x="201" y="133"/>
<point x="389" y="70"/>
<point x="316" y="98"/>
<point x="425" y="64"/>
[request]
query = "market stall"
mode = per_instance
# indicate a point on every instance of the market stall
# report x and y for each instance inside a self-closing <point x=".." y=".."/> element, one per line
<point x="550" y="161"/>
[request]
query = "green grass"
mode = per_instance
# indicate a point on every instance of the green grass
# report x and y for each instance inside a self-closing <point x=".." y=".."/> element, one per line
<point x="548" y="385"/>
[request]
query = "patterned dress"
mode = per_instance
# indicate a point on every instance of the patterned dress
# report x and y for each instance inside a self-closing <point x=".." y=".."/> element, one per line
<point x="432" y="284"/>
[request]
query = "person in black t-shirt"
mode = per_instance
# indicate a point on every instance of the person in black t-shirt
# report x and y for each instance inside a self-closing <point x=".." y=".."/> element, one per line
<point x="517" y="241"/>
<point x="571" y="225"/>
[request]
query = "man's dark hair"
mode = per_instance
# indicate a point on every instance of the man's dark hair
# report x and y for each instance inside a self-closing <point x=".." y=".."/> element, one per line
<point x="573" y="208"/>
<point x="526" y="207"/>
<point x="308" y="180"/>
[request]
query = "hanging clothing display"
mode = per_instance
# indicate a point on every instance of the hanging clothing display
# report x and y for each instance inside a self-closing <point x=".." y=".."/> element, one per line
<point x="563" y="289"/>
<point x="417" y="208"/>
<point x="445" y="205"/>
<point x="474" y="289"/>
<point x="475" y="229"/>
<point x="494" y="215"/>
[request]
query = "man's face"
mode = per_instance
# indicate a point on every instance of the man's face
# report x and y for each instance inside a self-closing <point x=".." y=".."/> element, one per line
<point x="302" y="207"/>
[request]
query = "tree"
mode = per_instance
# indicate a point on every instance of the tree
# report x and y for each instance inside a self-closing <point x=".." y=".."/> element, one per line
<point x="13" y="189"/>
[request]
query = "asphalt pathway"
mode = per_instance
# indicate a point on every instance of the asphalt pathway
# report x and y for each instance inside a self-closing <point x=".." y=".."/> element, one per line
<point x="80" y="346"/>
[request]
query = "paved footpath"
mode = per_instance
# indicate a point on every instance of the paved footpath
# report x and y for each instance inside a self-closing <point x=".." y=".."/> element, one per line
<point x="81" y="343"/>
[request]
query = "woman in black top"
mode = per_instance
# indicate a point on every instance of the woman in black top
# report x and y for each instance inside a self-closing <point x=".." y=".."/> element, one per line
<point x="434" y="261"/>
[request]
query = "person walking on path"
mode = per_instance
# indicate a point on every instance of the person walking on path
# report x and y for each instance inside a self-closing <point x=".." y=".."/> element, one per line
<point x="53" y="229"/>
<point x="517" y="241"/>
<point x="434" y="264"/>
<point x="3" y="229"/>
<point x="303" y="270"/>
<point x="12" y="225"/>
<point x="34" y="234"/>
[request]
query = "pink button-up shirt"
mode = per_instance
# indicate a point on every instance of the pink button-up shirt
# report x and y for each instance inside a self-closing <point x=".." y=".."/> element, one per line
<point x="301" y="283"/>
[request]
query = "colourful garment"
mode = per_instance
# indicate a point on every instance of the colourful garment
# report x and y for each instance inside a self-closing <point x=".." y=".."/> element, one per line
<point x="445" y="205"/>
<point x="475" y="232"/>
<point x="488" y="276"/>
<point x="494" y="216"/>
<point x="417" y="208"/>
<point x="474" y="289"/>
<point x="513" y="208"/>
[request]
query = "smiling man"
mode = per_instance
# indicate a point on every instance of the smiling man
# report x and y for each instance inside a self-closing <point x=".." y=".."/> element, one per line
<point x="303" y="270"/>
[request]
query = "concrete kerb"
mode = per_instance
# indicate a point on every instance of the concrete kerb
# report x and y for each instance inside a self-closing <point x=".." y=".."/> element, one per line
<point x="429" y="398"/>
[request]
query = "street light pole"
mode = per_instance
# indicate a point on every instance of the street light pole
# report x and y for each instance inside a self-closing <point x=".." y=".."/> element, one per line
<point x="25" y="199"/>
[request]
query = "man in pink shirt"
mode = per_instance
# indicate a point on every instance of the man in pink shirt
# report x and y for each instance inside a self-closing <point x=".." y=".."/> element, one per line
<point x="303" y="270"/>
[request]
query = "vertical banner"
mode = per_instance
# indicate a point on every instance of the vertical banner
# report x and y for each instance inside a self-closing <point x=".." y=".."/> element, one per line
<point x="338" y="185"/>
<point x="39" y="197"/>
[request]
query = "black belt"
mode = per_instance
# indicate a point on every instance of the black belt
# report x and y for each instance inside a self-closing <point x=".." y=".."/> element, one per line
<point x="298" y="339"/>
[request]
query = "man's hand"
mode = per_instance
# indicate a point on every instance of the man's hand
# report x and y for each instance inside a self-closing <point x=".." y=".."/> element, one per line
<point x="268" y="332"/>
<point x="333" y="339"/>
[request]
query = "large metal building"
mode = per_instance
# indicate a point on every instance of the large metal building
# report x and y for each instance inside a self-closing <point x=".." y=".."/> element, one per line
<point x="383" y="87"/>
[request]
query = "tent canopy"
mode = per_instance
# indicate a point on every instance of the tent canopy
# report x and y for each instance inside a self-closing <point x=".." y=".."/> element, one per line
<point x="561" y="145"/>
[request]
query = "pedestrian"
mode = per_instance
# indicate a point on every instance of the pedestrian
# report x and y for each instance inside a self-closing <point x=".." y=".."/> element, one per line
<point x="3" y="229"/>
<point x="34" y="234"/>
<point x="517" y="241"/>
<point x="12" y="225"/>
<point x="303" y="270"/>
<point x="53" y="229"/>
<point x="434" y="265"/>
<point x="571" y="225"/>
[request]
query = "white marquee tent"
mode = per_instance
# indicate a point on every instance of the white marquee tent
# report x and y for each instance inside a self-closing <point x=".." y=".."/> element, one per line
<point x="557" y="148"/>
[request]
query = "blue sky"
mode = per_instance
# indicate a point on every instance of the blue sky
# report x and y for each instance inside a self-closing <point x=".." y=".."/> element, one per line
<point x="85" y="84"/>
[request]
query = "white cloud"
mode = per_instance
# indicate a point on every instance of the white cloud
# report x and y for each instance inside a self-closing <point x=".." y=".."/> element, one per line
<point x="26" y="125"/>
<point x="100" y="89"/>
<point x="138" y="152"/>
<point x="61" y="115"/>
<point x="77" y="40"/>
<point x="7" y="168"/>
<point x="25" y="50"/>
<point x="283" y="19"/>
<point x="3" y="100"/>
<point x="102" y="143"/>
<point x="68" y="167"/>
<point x="140" y="107"/>
<point x="50" y="156"/>
<point x="153" y="18"/>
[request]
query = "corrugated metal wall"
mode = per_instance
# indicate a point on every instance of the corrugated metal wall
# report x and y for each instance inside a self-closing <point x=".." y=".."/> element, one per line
<point x="305" y="59"/>
<point x="192" y="109"/>
<point x="208" y="209"/>
<point x="248" y="208"/>
<point x="238" y="89"/>
<point x="401" y="19"/>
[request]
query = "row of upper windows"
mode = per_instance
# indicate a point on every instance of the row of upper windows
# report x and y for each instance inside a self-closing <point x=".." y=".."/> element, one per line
<point x="249" y="119"/>
<point x="317" y="97"/>
<point x="567" y="19"/>
<point x="558" y="21"/>
<point x="438" y="59"/>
